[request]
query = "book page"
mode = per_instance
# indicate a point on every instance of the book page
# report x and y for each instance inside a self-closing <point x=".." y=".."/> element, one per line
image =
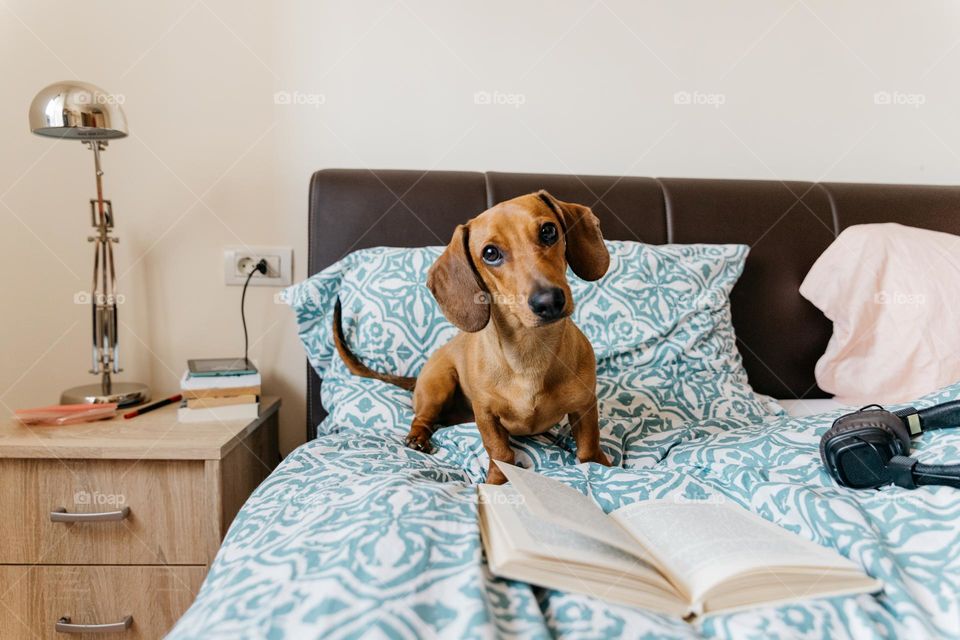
<point x="568" y="552"/>
<point x="701" y="544"/>
<point x="533" y="535"/>
<point x="555" y="502"/>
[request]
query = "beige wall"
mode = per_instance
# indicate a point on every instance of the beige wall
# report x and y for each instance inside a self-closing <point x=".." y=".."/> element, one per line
<point x="786" y="90"/>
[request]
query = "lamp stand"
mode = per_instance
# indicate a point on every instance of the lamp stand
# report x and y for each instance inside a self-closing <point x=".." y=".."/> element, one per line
<point x="103" y="304"/>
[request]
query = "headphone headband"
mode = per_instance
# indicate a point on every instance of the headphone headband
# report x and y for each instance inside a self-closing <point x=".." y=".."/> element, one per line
<point x="939" y="416"/>
<point x="870" y="447"/>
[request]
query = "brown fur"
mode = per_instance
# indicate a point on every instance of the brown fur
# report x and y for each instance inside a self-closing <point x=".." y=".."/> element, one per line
<point x="510" y="370"/>
<point x="353" y="363"/>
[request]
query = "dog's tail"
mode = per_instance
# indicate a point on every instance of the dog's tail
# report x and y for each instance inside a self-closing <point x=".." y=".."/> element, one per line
<point x="353" y="363"/>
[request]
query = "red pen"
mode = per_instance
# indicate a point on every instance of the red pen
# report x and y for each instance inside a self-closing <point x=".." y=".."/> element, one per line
<point x="151" y="407"/>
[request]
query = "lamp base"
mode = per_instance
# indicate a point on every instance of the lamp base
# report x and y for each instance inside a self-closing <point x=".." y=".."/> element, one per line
<point x="125" y="394"/>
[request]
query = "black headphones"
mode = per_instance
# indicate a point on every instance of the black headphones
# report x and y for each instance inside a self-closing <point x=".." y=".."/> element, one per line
<point x="870" y="448"/>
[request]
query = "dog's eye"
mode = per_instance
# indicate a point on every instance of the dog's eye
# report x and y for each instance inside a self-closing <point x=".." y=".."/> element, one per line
<point x="492" y="255"/>
<point x="548" y="233"/>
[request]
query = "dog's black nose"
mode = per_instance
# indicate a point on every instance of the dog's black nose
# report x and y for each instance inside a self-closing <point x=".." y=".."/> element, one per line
<point x="548" y="303"/>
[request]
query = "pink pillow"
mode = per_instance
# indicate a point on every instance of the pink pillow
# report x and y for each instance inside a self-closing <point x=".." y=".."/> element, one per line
<point x="893" y="294"/>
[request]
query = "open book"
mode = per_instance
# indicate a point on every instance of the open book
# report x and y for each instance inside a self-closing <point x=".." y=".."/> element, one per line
<point x="679" y="558"/>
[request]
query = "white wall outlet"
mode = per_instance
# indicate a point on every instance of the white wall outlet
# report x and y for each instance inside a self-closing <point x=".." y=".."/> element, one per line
<point x="238" y="261"/>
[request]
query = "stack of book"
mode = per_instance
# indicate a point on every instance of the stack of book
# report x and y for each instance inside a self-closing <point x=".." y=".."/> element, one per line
<point x="208" y="398"/>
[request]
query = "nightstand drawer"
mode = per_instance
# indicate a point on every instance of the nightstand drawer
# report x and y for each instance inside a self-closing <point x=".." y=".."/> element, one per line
<point x="150" y="512"/>
<point x="38" y="596"/>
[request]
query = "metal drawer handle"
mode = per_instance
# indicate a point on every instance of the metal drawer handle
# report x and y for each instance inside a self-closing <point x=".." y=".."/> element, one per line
<point x="61" y="515"/>
<point x="65" y="626"/>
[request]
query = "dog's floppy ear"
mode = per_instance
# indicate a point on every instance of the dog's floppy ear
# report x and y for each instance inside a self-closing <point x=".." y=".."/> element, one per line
<point x="454" y="282"/>
<point x="586" y="253"/>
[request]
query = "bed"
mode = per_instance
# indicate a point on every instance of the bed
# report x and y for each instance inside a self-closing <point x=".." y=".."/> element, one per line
<point x="354" y="535"/>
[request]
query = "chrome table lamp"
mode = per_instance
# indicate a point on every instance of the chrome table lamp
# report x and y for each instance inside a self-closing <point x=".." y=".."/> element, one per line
<point x="80" y="111"/>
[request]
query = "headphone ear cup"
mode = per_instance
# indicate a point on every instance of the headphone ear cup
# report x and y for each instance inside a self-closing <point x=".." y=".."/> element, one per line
<point x="877" y="419"/>
<point x="900" y="431"/>
<point x="836" y="428"/>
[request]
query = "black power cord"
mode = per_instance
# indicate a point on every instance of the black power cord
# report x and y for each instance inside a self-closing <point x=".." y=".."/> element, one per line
<point x="262" y="268"/>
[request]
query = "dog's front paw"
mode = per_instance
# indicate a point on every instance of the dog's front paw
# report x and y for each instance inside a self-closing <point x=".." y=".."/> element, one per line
<point x="494" y="475"/>
<point x="600" y="458"/>
<point x="419" y="439"/>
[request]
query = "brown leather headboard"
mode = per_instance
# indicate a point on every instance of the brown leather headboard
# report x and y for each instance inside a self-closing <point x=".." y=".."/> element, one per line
<point x="786" y="224"/>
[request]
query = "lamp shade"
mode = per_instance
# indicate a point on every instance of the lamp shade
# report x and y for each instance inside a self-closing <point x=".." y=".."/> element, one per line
<point x="77" y="111"/>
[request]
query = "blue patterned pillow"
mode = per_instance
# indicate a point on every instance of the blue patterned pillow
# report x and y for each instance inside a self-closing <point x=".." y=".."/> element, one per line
<point x="659" y="322"/>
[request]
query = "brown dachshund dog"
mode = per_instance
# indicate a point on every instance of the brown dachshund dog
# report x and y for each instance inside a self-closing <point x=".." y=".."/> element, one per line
<point x="519" y="364"/>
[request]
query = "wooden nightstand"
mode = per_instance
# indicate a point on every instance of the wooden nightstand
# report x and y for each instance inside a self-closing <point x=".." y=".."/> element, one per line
<point x="163" y="493"/>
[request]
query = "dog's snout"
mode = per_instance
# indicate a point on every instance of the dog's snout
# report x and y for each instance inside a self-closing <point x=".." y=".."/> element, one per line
<point x="548" y="303"/>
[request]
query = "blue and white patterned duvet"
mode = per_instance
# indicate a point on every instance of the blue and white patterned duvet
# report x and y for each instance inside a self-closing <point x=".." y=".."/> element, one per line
<point x="356" y="536"/>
